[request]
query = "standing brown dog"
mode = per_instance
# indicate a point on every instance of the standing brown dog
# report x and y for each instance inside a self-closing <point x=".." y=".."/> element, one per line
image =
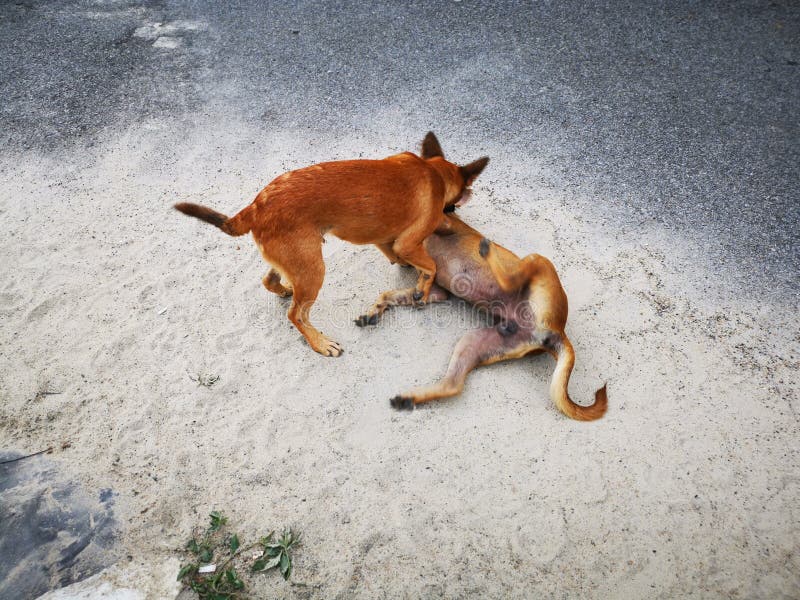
<point x="394" y="203"/>
<point x="526" y="300"/>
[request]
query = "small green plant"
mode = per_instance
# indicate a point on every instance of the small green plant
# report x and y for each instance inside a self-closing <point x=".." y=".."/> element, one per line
<point x="217" y="520"/>
<point x="216" y="554"/>
<point x="276" y="554"/>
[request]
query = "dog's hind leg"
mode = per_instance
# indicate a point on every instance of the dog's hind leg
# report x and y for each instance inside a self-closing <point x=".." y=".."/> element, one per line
<point x="306" y="284"/>
<point x="479" y="347"/>
<point x="387" y="251"/>
<point x="272" y="281"/>
<point x="301" y="263"/>
<point x="398" y="298"/>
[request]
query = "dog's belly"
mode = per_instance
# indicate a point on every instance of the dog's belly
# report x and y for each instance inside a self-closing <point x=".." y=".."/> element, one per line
<point x="464" y="274"/>
<point x="380" y="225"/>
<point x="461" y="271"/>
<point x="466" y="279"/>
<point x="362" y="233"/>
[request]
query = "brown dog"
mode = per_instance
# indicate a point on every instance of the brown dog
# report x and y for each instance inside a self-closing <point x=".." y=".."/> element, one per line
<point x="525" y="298"/>
<point x="394" y="203"/>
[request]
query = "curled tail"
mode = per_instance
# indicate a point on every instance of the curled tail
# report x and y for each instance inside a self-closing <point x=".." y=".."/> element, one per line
<point x="239" y="224"/>
<point x="560" y="381"/>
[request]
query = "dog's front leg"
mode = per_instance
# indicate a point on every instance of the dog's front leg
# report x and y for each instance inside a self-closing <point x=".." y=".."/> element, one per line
<point x="417" y="255"/>
<point x="398" y="298"/>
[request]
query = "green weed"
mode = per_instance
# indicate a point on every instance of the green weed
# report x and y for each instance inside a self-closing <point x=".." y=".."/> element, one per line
<point x="215" y="546"/>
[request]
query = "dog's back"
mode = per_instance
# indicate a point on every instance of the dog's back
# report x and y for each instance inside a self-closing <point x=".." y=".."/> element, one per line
<point x="360" y="201"/>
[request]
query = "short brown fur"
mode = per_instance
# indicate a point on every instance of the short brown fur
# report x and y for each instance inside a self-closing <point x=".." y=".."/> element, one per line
<point x="524" y="296"/>
<point x="394" y="203"/>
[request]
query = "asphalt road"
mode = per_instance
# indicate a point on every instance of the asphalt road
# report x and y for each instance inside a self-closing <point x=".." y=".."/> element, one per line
<point x="681" y="116"/>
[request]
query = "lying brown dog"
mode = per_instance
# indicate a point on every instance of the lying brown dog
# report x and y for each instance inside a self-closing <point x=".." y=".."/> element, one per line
<point x="525" y="298"/>
<point x="394" y="203"/>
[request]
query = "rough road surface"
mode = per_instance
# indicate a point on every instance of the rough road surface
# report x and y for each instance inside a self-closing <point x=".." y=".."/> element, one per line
<point x="650" y="152"/>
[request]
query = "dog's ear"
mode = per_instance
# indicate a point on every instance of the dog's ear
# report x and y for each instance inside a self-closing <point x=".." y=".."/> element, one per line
<point x="431" y="147"/>
<point x="472" y="170"/>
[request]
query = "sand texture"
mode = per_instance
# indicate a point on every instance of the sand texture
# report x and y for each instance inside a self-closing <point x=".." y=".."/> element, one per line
<point x="112" y="299"/>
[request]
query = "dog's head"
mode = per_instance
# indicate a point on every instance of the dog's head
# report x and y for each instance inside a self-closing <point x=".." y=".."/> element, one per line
<point x="458" y="180"/>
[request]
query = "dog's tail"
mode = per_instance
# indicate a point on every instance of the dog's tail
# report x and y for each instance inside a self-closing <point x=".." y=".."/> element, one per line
<point x="239" y="224"/>
<point x="560" y="381"/>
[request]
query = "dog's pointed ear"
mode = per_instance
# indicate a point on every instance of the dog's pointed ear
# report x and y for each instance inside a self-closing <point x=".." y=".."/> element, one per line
<point x="431" y="147"/>
<point x="472" y="170"/>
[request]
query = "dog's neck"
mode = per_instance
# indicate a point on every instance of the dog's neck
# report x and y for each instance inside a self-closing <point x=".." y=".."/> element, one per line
<point x="450" y="177"/>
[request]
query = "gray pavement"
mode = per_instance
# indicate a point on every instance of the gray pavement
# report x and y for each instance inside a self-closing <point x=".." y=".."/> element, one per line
<point x="53" y="533"/>
<point x="682" y="116"/>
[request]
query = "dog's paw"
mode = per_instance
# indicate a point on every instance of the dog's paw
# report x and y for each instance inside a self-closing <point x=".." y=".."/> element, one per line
<point x="329" y="348"/>
<point x="365" y="320"/>
<point x="483" y="249"/>
<point x="402" y="403"/>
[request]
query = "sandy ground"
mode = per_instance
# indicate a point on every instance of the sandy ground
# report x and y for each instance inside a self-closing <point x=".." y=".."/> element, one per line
<point x="649" y="150"/>
<point x="688" y="486"/>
